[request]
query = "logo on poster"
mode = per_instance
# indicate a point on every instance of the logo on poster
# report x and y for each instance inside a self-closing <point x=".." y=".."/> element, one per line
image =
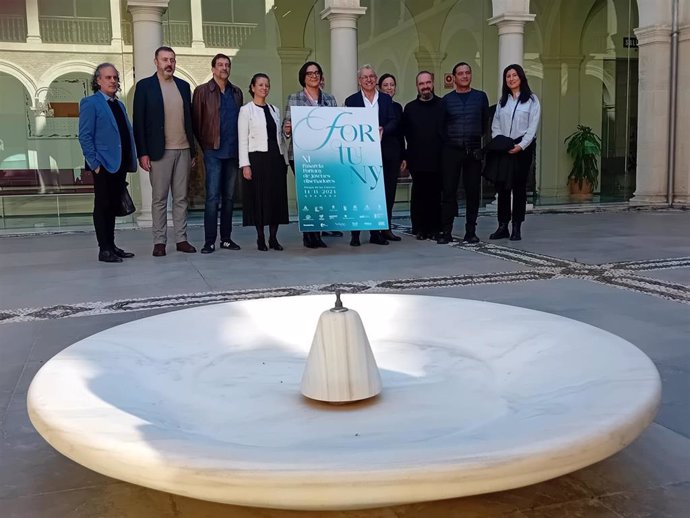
<point x="348" y="138"/>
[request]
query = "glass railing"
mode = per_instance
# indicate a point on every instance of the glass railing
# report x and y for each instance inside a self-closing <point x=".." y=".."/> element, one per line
<point x="12" y="28"/>
<point x="79" y="30"/>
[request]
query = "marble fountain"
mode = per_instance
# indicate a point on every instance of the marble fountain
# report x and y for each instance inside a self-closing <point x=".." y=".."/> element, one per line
<point x="476" y="397"/>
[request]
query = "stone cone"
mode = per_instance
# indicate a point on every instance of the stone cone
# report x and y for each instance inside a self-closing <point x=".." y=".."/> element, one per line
<point x="341" y="367"/>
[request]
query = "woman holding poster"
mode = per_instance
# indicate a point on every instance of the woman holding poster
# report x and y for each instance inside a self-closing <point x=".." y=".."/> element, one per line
<point x="310" y="77"/>
<point x="264" y="170"/>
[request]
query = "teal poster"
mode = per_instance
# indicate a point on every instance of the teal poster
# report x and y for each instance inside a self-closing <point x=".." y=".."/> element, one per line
<point x="338" y="169"/>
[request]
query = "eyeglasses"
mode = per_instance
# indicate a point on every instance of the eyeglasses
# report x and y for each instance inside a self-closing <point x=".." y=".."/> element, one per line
<point x="313" y="74"/>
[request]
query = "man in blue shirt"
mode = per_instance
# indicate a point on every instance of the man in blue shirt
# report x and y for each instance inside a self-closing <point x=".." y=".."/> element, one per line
<point x="215" y="108"/>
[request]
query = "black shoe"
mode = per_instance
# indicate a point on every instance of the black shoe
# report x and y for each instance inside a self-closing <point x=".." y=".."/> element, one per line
<point x="354" y="241"/>
<point x="318" y="242"/>
<point x="444" y="238"/>
<point x="501" y="232"/>
<point x="335" y="233"/>
<point x="208" y="248"/>
<point x="229" y="245"/>
<point x="261" y="244"/>
<point x="471" y="238"/>
<point x="108" y="256"/>
<point x="121" y="253"/>
<point x="308" y="240"/>
<point x="516" y="235"/>
<point x="377" y="239"/>
<point x="274" y="245"/>
<point x="387" y="234"/>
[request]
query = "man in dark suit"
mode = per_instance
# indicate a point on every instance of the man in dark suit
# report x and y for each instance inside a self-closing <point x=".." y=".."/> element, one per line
<point x="107" y="142"/>
<point x="370" y="97"/>
<point x="165" y="145"/>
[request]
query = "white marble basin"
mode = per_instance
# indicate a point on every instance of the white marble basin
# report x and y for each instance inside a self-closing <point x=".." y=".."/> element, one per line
<point x="477" y="397"/>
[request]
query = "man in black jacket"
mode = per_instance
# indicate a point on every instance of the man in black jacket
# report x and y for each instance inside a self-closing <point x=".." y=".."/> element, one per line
<point x="466" y="118"/>
<point x="370" y="97"/>
<point x="422" y="120"/>
<point x="165" y="146"/>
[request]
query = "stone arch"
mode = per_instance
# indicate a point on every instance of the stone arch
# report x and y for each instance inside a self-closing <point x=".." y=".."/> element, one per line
<point x="297" y="11"/>
<point x="22" y="76"/>
<point x="127" y="82"/>
<point x="449" y="30"/>
<point x="66" y="67"/>
<point x="389" y="66"/>
<point x="184" y="74"/>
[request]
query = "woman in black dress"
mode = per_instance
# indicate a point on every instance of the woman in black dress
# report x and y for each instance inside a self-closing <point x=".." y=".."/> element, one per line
<point x="264" y="170"/>
<point x="388" y="85"/>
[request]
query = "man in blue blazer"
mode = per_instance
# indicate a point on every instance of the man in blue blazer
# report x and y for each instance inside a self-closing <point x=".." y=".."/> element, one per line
<point x="165" y="144"/>
<point x="370" y="97"/>
<point x="107" y="141"/>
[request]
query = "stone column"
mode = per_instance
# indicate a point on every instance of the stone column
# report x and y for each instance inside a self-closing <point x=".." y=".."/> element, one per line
<point x="681" y="186"/>
<point x="653" y="113"/>
<point x="431" y="60"/>
<point x="343" y="15"/>
<point x="147" y="36"/>
<point x="197" y="25"/>
<point x="291" y="59"/>
<point x="511" y="36"/>
<point x="33" y="30"/>
<point x="115" y="23"/>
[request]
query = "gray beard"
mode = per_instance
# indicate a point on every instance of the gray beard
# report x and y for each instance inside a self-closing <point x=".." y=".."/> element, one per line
<point x="426" y="97"/>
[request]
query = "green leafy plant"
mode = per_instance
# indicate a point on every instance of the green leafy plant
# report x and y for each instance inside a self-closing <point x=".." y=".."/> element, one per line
<point x="584" y="147"/>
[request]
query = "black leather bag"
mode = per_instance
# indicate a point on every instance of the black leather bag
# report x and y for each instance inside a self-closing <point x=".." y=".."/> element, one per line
<point x="126" y="205"/>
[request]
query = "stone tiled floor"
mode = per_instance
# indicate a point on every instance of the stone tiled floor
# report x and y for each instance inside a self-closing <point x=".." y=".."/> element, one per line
<point x="53" y="292"/>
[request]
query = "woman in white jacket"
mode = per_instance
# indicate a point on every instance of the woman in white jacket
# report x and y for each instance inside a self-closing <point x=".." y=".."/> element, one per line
<point x="517" y="117"/>
<point x="262" y="159"/>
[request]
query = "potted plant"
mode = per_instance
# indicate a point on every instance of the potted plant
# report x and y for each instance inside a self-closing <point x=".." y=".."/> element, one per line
<point x="584" y="147"/>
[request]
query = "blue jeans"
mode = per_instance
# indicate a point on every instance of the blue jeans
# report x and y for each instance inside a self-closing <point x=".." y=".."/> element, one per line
<point x="221" y="175"/>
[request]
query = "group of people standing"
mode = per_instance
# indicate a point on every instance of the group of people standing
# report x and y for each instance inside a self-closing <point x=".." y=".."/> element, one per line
<point x="447" y="140"/>
<point x="440" y="140"/>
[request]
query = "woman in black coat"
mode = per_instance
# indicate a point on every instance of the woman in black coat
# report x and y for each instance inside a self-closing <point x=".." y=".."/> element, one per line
<point x="387" y="84"/>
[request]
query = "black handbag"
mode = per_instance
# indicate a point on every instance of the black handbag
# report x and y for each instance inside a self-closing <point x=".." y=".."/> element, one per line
<point x="126" y="205"/>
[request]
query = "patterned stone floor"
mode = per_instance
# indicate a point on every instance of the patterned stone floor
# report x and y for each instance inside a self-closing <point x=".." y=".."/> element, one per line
<point x="622" y="274"/>
<point x="626" y="272"/>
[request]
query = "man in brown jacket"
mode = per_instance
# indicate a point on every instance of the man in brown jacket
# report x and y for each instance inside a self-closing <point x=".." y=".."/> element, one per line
<point x="215" y="107"/>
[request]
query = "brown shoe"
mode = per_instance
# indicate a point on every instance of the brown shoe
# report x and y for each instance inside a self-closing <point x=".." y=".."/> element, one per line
<point x="184" y="246"/>
<point x="159" y="250"/>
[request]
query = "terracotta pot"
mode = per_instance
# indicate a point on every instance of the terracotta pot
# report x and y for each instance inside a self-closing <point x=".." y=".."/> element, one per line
<point x="577" y="192"/>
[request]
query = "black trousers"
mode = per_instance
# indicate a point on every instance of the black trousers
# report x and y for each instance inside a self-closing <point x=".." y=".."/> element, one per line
<point x="518" y="188"/>
<point x="425" y="202"/>
<point x="391" y="170"/>
<point x="456" y="162"/>
<point x="107" y="190"/>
